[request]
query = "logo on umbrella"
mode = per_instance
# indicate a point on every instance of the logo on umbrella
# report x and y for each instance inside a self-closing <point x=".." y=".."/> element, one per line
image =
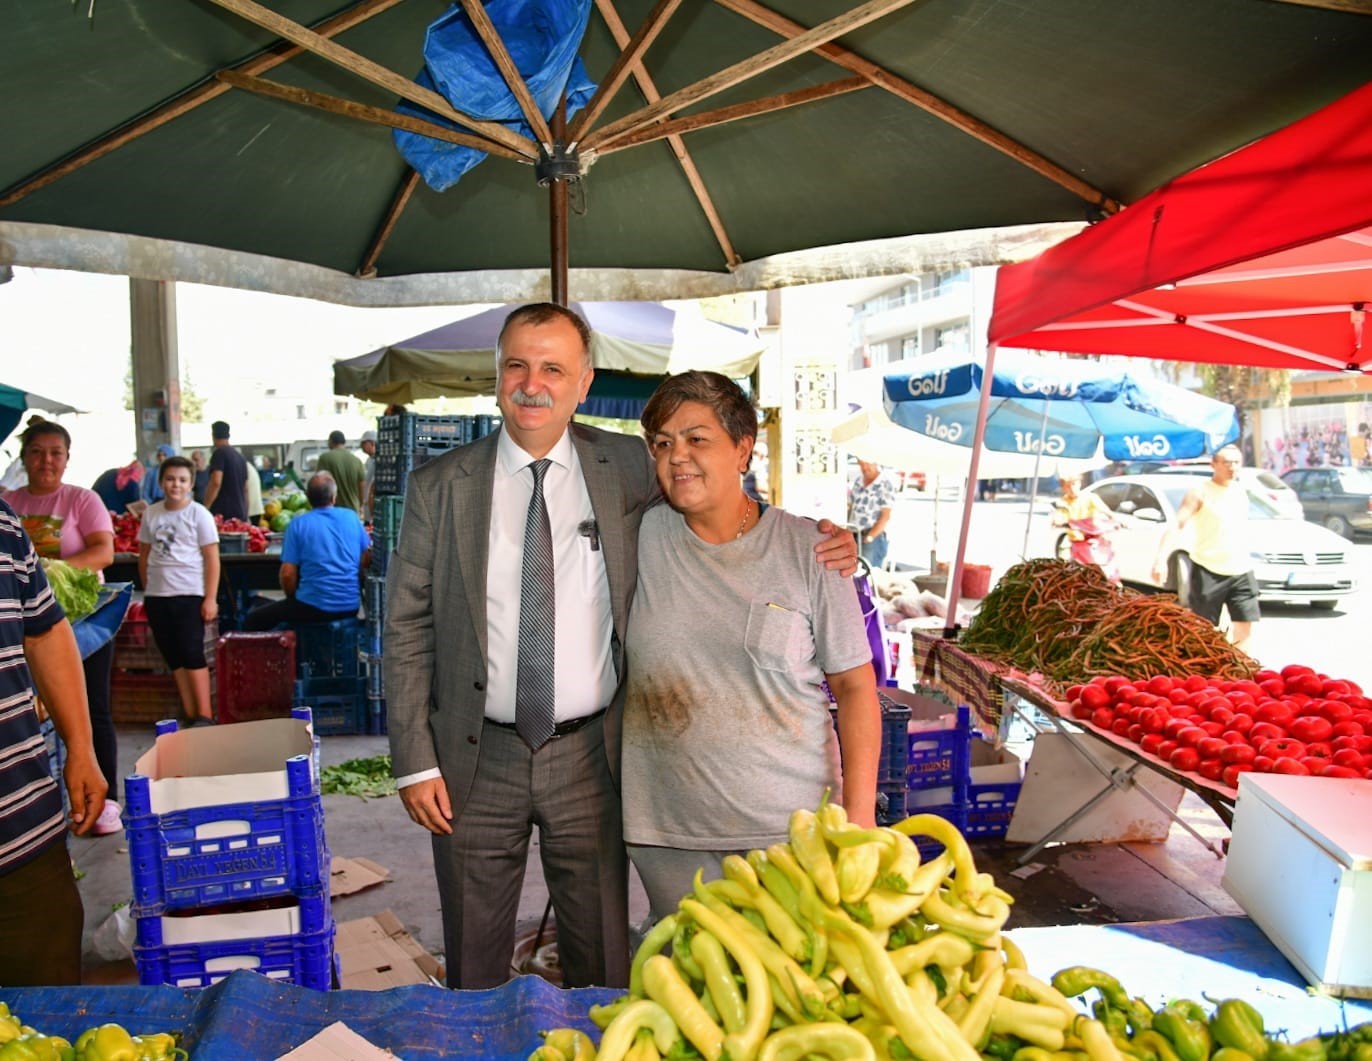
<point x="1157" y="446"/>
<point x="936" y="428"/>
<point x="924" y="385"/>
<point x="1048" y="386"/>
<point x="1049" y="445"/>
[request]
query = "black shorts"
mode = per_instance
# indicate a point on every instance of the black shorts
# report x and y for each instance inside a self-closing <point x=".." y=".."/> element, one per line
<point x="1211" y="592"/>
<point x="178" y="630"/>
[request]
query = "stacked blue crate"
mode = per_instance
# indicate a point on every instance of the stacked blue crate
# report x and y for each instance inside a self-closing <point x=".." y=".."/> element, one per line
<point x="225" y="884"/>
<point x="330" y="679"/>
<point x="937" y="775"/>
<point x="385" y="533"/>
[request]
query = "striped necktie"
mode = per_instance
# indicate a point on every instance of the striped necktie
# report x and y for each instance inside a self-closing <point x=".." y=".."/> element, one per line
<point x="534" y="710"/>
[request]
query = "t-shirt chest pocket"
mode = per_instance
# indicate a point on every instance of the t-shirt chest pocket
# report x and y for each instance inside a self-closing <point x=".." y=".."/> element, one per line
<point x="777" y="637"/>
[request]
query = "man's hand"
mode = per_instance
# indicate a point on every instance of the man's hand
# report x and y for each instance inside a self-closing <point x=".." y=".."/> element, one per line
<point x="86" y="790"/>
<point x="428" y="805"/>
<point x="839" y="551"/>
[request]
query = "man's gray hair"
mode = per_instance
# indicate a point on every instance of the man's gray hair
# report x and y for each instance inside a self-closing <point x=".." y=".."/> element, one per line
<point x="546" y="313"/>
<point x="321" y="490"/>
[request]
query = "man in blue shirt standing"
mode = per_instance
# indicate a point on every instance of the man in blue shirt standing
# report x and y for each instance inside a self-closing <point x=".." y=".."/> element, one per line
<point x="323" y="560"/>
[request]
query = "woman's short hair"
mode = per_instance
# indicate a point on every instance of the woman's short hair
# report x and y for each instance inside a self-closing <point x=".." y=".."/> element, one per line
<point x="44" y="427"/>
<point x="735" y="410"/>
<point x="174" y="462"/>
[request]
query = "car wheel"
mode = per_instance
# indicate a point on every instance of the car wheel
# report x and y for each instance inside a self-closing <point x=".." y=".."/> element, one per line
<point x="1324" y="605"/>
<point x="1339" y="526"/>
<point x="1179" y="577"/>
<point x="1062" y="548"/>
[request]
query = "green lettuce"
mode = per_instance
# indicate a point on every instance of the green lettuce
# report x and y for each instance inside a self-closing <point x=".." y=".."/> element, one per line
<point x="75" y="588"/>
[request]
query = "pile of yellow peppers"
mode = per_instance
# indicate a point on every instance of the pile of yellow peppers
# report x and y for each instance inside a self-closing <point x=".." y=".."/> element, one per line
<point x="108" y="1042"/>
<point x="844" y="945"/>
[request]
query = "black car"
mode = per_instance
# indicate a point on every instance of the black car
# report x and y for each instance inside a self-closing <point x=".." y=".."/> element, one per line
<point x="1338" y="498"/>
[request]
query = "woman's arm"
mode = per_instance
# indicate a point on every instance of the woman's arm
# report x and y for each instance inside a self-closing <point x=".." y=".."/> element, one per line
<point x="98" y="553"/>
<point x="859" y="736"/>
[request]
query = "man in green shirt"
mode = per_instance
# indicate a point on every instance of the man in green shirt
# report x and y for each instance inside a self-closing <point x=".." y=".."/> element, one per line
<point x="346" y="469"/>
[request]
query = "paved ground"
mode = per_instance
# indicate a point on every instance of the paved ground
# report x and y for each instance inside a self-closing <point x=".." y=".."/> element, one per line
<point x="1067" y="884"/>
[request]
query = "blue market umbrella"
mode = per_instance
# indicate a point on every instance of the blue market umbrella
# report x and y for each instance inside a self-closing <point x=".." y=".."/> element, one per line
<point x="1057" y="408"/>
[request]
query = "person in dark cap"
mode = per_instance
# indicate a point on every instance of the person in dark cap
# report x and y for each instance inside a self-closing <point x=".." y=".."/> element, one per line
<point x="227" y="493"/>
<point x="347" y="471"/>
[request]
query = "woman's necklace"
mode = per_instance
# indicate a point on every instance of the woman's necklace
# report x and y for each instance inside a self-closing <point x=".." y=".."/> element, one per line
<point x="743" y="523"/>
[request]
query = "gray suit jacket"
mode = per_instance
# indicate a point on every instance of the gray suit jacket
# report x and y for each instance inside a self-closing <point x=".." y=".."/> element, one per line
<point x="435" y="634"/>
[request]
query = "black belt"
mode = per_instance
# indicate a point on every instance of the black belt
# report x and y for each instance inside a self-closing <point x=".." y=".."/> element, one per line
<point x="562" y="729"/>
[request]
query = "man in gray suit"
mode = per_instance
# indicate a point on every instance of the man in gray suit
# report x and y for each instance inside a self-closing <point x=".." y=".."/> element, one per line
<point x="452" y="653"/>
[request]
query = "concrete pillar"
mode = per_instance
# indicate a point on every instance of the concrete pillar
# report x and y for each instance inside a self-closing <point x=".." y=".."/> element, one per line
<point x="156" y="365"/>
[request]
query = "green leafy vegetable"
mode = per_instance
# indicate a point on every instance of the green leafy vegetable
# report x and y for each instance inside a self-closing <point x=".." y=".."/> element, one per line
<point x="365" y="778"/>
<point x="75" y="588"/>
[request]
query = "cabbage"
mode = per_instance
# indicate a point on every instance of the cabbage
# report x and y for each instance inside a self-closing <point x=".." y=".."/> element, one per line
<point x="75" y="588"/>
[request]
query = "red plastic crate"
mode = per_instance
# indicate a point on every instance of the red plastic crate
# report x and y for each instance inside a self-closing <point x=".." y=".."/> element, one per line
<point x="135" y="649"/>
<point x="143" y="696"/>
<point x="255" y="675"/>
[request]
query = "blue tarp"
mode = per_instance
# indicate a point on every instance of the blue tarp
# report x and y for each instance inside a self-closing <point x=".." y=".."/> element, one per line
<point x="248" y="1016"/>
<point x="96" y="629"/>
<point x="542" y="37"/>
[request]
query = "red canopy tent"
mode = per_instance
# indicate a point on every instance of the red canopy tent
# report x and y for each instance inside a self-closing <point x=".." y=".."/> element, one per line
<point x="1262" y="257"/>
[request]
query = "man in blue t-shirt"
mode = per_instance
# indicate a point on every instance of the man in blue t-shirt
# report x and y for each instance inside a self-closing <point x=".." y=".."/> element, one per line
<point x="323" y="560"/>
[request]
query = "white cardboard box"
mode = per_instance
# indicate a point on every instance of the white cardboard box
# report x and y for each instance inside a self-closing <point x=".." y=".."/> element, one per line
<point x="1300" y="864"/>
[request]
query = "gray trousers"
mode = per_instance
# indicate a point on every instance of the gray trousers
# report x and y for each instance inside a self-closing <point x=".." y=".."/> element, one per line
<point x="565" y="789"/>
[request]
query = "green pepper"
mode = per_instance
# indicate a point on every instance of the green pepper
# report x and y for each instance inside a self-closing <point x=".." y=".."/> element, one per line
<point x="1238" y="1025"/>
<point x="1152" y="1042"/>
<point x="110" y="1042"/>
<point x="1228" y="1053"/>
<point x="23" y="1048"/>
<point x="1312" y="1049"/>
<point x="1002" y="1047"/>
<point x="1114" y="1019"/>
<point x="1189" y="1038"/>
<point x="1079" y="979"/>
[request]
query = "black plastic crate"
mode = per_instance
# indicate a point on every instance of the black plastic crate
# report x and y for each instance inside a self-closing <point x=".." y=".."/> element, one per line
<point x="328" y="650"/>
<point x="338" y="704"/>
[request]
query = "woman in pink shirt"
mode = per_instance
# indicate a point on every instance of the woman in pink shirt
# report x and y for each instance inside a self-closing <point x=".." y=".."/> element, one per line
<point x="71" y="523"/>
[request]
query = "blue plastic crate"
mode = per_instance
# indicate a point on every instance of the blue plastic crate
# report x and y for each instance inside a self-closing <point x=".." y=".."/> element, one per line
<point x="327" y="650"/>
<point x="338" y="704"/>
<point x="374" y="670"/>
<point x="386" y="516"/>
<point x="372" y="637"/>
<point x="483" y="424"/>
<point x="989" y="809"/>
<point x="226" y="852"/>
<point x="895" y="726"/>
<point x="890" y="802"/>
<point x="304" y="957"/>
<point x="374" y="601"/>
<point x="939" y="757"/>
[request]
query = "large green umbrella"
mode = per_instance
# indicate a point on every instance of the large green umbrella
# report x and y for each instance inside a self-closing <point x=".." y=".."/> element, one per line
<point x="185" y="139"/>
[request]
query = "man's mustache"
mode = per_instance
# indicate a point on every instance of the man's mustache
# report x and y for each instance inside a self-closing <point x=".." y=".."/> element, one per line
<point x="533" y="401"/>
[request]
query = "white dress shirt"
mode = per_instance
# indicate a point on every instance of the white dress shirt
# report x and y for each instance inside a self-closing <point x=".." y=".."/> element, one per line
<point x="585" y="678"/>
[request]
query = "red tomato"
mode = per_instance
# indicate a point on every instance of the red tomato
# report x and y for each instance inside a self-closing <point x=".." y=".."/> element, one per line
<point x="1262" y="731"/>
<point x="1093" y="696"/>
<point x="1135" y="733"/>
<point x="1348" y="757"/>
<point x="1313" y="763"/>
<point x="1348" y="728"/>
<point x="1190" y="736"/>
<point x="1120" y="727"/>
<point x="1231" y="773"/>
<point x="1160" y="685"/>
<point x="1233" y="736"/>
<point x="1212" y="727"/>
<point x="1310" y="728"/>
<point x="1241" y="723"/>
<point x="1074" y="692"/>
<point x="1308" y="684"/>
<point x="1078" y="710"/>
<point x="1263" y="764"/>
<point x="1289" y="766"/>
<point x="1335" y="710"/>
<point x="1175" y="725"/>
<point x="1211" y="747"/>
<point x="1265" y="675"/>
<point x="1179" y="695"/>
<point x="1166" y="748"/>
<point x="1222" y="715"/>
<point x="1294" y="670"/>
<point x="1275" y="712"/>
<point x="1336" y="685"/>
<point x="1102" y="718"/>
<point x="1151" y="742"/>
<point x="1247" y="685"/>
<point x="1282" y="748"/>
<point x="1194" y="683"/>
<point x="1155" y="719"/>
<point x="1184" y="759"/>
<point x="1210" y="769"/>
<point x="1273" y="688"/>
<point x="1232" y="754"/>
<point x="1321" y="748"/>
<point x="1339" y="771"/>
<point x="1114" y="683"/>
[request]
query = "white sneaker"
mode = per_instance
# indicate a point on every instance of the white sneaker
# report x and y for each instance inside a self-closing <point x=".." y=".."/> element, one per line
<point x="108" y="822"/>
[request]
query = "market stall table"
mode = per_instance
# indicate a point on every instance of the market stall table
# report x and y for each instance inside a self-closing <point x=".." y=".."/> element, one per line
<point x="248" y="1015"/>
<point x="240" y="575"/>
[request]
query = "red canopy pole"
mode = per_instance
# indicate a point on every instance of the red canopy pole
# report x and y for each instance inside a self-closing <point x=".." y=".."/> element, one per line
<point x="557" y="214"/>
<point x="978" y="436"/>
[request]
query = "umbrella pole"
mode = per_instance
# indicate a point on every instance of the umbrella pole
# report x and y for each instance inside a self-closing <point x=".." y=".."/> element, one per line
<point x="557" y="215"/>
<point x="1034" y="488"/>
<point x="955" y="579"/>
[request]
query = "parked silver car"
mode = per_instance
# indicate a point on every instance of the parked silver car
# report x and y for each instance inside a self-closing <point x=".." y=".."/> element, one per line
<point x="1294" y="561"/>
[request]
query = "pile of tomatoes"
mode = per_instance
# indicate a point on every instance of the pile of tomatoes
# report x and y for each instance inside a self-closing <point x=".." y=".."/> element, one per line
<point x="1290" y="722"/>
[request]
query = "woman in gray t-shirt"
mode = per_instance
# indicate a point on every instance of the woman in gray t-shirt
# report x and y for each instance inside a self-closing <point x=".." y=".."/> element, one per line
<point x="734" y="631"/>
